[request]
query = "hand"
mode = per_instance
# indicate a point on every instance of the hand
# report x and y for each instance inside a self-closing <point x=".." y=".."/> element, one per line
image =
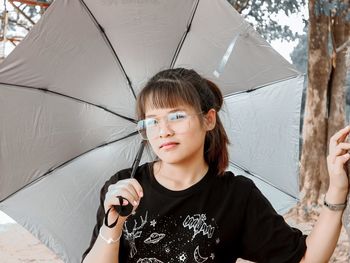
<point x="130" y="189"/>
<point x="337" y="158"/>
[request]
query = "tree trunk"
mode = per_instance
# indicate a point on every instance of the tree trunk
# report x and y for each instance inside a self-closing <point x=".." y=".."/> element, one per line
<point x="346" y="214"/>
<point x="341" y="34"/>
<point x="326" y="76"/>
<point x="313" y="172"/>
<point x="336" y="119"/>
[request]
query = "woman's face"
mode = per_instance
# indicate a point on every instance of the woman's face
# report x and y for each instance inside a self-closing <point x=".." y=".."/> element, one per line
<point x="178" y="134"/>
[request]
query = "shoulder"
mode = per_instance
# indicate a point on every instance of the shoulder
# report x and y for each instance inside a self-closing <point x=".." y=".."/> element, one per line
<point x="230" y="180"/>
<point x="229" y="186"/>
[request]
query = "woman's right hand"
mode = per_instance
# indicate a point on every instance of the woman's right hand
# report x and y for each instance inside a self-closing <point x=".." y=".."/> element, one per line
<point x="130" y="189"/>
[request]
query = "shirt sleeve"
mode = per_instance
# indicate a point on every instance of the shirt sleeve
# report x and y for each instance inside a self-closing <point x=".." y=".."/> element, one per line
<point x="266" y="237"/>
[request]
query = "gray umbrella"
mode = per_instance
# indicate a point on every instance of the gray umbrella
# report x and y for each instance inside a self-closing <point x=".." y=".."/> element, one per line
<point x="67" y="96"/>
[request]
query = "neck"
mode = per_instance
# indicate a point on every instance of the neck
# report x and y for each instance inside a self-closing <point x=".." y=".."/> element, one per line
<point x="180" y="176"/>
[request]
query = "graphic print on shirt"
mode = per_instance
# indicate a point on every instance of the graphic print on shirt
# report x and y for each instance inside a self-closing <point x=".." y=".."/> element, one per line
<point x="197" y="257"/>
<point x="190" y="238"/>
<point x="149" y="260"/>
<point x="154" y="238"/>
<point x="135" y="233"/>
<point x="197" y="223"/>
<point x="153" y="223"/>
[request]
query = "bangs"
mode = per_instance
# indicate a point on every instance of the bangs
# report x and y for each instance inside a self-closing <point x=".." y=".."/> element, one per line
<point x="167" y="93"/>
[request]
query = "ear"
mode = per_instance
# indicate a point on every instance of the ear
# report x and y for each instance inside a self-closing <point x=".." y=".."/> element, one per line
<point x="210" y="120"/>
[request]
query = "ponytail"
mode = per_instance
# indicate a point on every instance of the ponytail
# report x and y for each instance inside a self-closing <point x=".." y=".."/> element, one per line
<point x="216" y="140"/>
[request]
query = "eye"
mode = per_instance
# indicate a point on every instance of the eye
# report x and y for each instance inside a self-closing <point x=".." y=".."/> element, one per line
<point x="150" y="122"/>
<point x="176" y="116"/>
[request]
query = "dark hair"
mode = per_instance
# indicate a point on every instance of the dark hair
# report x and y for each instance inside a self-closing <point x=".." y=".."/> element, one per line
<point x="172" y="87"/>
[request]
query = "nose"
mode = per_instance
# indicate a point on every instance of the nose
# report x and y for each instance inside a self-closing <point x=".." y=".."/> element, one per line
<point x="165" y="130"/>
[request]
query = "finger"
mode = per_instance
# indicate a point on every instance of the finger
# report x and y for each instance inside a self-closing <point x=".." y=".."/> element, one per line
<point x="112" y="186"/>
<point x="339" y="136"/>
<point x="128" y="193"/>
<point x="131" y="184"/>
<point x="134" y="182"/>
<point x="342" y="159"/>
<point x="341" y="149"/>
<point x="343" y="138"/>
<point x="125" y="190"/>
<point x="110" y="201"/>
<point x="137" y="187"/>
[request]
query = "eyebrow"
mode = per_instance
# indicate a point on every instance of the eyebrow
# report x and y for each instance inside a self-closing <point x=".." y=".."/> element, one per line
<point x="173" y="110"/>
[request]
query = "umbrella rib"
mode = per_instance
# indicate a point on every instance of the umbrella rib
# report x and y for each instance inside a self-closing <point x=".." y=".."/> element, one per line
<point x="52" y="170"/>
<point x="70" y="97"/>
<point x="179" y="46"/>
<point x="109" y="44"/>
<point x="265" y="181"/>
<point x="263" y="86"/>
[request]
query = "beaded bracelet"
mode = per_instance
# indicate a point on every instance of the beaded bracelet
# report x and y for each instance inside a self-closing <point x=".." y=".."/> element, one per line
<point x="110" y="240"/>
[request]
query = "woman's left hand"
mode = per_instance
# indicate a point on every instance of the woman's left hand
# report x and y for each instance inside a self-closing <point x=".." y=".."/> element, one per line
<point x="336" y="160"/>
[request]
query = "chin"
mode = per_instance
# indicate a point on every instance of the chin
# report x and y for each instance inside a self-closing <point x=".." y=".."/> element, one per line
<point x="172" y="158"/>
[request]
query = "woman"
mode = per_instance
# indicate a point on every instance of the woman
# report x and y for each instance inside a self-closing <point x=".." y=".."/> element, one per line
<point x="186" y="207"/>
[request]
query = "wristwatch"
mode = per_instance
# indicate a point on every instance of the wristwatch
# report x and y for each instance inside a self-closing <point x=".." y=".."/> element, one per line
<point x="334" y="207"/>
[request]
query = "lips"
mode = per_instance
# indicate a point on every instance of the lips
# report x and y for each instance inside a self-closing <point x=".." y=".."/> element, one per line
<point x="167" y="145"/>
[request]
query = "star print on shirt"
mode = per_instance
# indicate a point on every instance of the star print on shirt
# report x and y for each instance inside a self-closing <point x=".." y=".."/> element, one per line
<point x="153" y="223"/>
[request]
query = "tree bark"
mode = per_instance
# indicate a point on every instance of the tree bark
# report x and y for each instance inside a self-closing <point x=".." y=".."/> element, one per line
<point x="336" y="119"/>
<point x="325" y="103"/>
<point x="313" y="172"/>
<point x="346" y="215"/>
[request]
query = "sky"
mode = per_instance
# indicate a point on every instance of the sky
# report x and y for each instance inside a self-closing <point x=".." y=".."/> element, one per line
<point x="295" y="23"/>
<point x="283" y="47"/>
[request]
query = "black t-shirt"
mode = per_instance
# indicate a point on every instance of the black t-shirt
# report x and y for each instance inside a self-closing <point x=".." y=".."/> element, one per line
<point x="219" y="219"/>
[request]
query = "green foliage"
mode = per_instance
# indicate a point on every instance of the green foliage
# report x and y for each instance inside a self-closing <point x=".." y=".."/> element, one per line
<point x="261" y="12"/>
<point x="299" y="58"/>
<point x="32" y="11"/>
<point x="299" y="54"/>
<point x="17" y="21"/>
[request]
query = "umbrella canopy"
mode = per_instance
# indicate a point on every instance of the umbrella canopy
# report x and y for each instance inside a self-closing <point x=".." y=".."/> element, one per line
<point x="67" y="96"/>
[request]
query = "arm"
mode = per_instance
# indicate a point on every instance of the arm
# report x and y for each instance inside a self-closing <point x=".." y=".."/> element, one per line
<point x="324" y="237"/>
<point x="102" y="250"/>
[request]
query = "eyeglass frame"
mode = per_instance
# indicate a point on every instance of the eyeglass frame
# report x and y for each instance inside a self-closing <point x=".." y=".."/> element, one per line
<point x="164" y="118"/>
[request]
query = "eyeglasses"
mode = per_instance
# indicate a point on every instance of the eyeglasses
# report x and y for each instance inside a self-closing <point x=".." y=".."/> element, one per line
<point x="178" y="121"/>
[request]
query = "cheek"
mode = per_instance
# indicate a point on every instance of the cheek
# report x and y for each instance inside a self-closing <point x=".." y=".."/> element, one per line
<point x="199" y="138"/>
<point x="153" y="145"/>
<point x="195" y="138"/>
<point x="197" y="132"/>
